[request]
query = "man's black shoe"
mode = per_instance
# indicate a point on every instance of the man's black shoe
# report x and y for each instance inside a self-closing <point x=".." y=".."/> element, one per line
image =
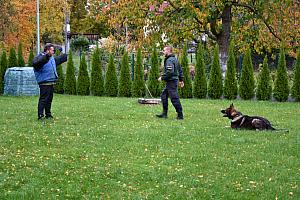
<point x="49" y="117"/>
<point x="179" y="116"/>
<point x="41" y="117"/>
<point x="163" y="115"/>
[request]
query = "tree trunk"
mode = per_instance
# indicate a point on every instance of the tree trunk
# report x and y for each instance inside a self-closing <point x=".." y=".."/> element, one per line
<point x="223" y="38"/>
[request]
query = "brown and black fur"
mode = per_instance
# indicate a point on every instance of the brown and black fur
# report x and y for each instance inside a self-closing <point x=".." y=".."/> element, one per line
<point x="238" y="120"/>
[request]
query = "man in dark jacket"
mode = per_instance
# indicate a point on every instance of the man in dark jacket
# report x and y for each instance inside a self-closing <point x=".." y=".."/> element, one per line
<point x="172" y="73"/>
<point x="45" y="72"/>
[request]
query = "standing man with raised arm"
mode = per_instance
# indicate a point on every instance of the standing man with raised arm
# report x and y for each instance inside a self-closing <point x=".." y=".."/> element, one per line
<point x="45" y="72"/>
<point x="172" y="73"/>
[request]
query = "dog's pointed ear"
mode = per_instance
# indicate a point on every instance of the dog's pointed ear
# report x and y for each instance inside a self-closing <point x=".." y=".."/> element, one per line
<point x="231" y="106"/>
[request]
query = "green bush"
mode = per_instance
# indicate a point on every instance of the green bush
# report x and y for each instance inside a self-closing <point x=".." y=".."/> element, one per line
<point x="97" y="82"/>
<point x="59" y="86"/>
<point x="281" y="85"/>
<point x="111" y="80"/>
<point x="138" y="85"/>
<point x="83" y="81"/>
<point x="296" y="82"/>
<point x="230" y="82"/>
<point x="30" y="58"/>
<point x="70" y="82"/>
<point x="79" y="44"/>
<point x="215" y="87"/>
<point x="200" y="82"/>
<point x="187" y="90"/>
<point x="207" y="59"/>
<point x="153" y="83"/>
<point x="264" y="87"/>
<point x="247" y="82"/>
<point x="3" y="67"/>
<point x="21" y="62"/>
<point x="125" y="79"/>
<point x="12" y="59"/>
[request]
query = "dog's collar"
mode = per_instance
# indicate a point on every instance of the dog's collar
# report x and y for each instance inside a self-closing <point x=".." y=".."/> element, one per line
<point x="238" y="118"/>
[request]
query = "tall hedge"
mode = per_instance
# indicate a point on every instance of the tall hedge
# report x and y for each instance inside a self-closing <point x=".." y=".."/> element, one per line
<point x="187" y="90"/>
<point x="21" y="62"/>
<point x="215" y="86"/>
<point x="247" y="82"/>
<point x="125" y="79"/>
<point x="83" y="81"/>
<point x="97" y="81"/>
<point x="138" y="85"/>
<point x="12" y="59"/>
<point x="111" y="80"/>
<point x="200" y="82"/>
<point x="3" y="67"/>
<point x="59" y="86"/>
<point x="230" y="82"/>
<point x="281" y="85"/>
<point x="264" y="87"/>
<point x="153" y="83"/>
<point x="70" y="82"/>
<point x="296" y="80"/>
<point x="30" y="58"/>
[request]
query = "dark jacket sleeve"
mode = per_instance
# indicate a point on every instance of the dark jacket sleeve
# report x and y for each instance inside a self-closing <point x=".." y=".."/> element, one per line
<point x="61" y="59"/>
<point x="39" y="61"/>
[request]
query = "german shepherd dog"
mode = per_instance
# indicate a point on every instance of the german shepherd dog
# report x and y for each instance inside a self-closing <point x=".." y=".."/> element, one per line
<point x="240" y="121"/>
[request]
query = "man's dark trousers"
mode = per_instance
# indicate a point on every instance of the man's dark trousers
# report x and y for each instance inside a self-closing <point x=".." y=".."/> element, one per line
<point x="45" y="100"/>
<point x="172" y="92"/>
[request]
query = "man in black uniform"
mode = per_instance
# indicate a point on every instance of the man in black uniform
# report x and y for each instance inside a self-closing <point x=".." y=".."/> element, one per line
<point x="172" y="73"/>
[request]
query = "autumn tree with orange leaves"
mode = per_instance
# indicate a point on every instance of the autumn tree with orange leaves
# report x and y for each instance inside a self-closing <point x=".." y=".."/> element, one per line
<point x="18" y="22"/>
<point x="261" y="25"/>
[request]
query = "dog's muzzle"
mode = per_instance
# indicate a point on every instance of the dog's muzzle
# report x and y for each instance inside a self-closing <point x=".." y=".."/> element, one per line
<point x="224" y="112"/>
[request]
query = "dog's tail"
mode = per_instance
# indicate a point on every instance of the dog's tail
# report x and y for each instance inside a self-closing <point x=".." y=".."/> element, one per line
<point x="280" y="130"/>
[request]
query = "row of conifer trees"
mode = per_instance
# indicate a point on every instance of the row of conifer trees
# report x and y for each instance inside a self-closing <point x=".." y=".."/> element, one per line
<point x="211" y="85"/>
<point x="247" y="86"/>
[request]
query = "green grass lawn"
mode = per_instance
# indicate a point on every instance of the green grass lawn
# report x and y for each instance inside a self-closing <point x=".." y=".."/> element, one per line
<point x="114" y="148"/>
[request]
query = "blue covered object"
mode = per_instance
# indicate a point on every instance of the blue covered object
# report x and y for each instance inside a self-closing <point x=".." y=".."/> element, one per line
<point x="20" y="81"/>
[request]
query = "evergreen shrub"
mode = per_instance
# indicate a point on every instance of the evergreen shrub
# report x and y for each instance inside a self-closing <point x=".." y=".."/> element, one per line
<point x="215" y="86"/>
<point x="264" y="87"/>
<point x="153" y="83"/>
<point x="111" y="80"/>
<point x="230" y="82"/>
<point x="12" y="59"/>
<point x="30" y="58"/>
<point x="83" y="81"/>
<point x="97" y="81"/>
<point x="187" y="90"/>
<point x="247" y="82"/>
<point x="296" y="80"/>
<point x="70" y="81"/>
<point x="281" y="85"/>
<point x="200" y="82"/>
<point x="59" y="86"/>
<point x="125" y="79"/>
<point x="3" y="67"/>
<point x="21" y="62"/>
<point x="138" y="85"/>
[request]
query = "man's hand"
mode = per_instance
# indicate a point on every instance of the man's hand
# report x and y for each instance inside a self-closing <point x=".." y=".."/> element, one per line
<point x="181" y="84"/>
<point x="159" y="79"/>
